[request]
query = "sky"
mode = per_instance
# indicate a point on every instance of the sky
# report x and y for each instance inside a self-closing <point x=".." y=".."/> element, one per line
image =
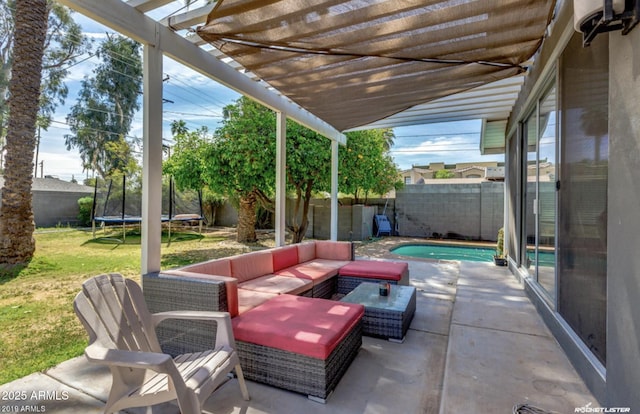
<point x="199" y="101"/>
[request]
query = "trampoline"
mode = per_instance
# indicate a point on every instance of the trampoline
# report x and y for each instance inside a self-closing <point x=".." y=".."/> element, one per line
<point x="116" y="203"/>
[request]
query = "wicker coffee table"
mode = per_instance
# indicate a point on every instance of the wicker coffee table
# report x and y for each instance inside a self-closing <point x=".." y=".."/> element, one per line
<point x="385" y="316"/>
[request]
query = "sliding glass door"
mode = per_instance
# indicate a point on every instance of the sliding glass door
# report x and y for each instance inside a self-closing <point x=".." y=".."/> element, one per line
<point x="582" y="233"/>
<point x="540" y="177"/>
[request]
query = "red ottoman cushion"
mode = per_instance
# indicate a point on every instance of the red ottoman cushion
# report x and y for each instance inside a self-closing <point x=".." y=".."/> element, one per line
<point x="306" y="326"/>
<point x="374" y="269"/>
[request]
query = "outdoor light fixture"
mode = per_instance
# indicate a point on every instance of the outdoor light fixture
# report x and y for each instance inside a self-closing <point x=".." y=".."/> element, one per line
<point x="591" y="17"/>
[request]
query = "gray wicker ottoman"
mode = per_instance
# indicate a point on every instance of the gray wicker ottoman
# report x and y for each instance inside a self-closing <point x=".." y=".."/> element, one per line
<point x="297" y="343"/>
<point x="385" y="316"/>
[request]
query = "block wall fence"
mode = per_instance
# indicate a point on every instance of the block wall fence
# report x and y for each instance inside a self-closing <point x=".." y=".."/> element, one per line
<point x="460" y="211"/>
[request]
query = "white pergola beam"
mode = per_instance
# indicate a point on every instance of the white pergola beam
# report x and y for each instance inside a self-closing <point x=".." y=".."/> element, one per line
<point x="147" y="5"/>
<point x="489" y="114"/>
<point x="131" y="22"/>
<point x="196" y="40"/>
<point x="188" y="19"/>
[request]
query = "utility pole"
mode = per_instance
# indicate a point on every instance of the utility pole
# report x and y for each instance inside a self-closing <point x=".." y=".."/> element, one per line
<point x="41" y="169"/>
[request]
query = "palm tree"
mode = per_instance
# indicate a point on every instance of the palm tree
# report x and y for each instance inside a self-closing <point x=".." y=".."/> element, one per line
<point x="16" y="214"/>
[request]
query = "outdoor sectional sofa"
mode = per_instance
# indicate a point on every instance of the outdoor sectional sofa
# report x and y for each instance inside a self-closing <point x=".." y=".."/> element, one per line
<point x="288" y="332"/>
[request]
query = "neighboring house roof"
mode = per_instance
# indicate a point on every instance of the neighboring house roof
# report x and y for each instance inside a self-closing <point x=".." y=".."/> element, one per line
<point x="417" y="170"/>
<point x="55" y="184"/>
<point x="541" y="165"/>
<point x="475" y="167"/>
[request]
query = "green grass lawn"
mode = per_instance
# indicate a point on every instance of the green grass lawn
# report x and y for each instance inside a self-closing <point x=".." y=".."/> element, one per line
<point x="38" y="325"/>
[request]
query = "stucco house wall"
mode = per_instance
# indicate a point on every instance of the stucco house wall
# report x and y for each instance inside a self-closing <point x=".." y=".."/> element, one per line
<point x="55" y="202"/>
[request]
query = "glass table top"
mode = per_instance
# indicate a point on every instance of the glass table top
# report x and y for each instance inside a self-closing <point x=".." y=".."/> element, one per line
<point x="368" y="294"/>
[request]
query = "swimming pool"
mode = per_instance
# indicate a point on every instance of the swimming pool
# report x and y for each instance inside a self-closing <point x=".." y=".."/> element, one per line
<point x="446" y="252"/>
<point x="455" y="252"/>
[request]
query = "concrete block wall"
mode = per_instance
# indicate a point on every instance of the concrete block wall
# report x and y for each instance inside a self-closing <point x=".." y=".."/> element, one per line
<point x="226" y="215"/>
<point x="384" y="206"/>
<point x="289" y="206"/>
<point x="466" y="211"/>
<point x="469" y="211"/>
<point x="492" y="210"/>
<point x="362" y="221"/>
<point x="322" y="222"/>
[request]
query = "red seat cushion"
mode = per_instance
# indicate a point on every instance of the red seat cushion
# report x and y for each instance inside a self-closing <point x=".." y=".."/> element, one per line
<point x="374" y="269"/>
<point x="317" y="270"/>
<point x="306" y="326"/>
<point x="278" y="284"/>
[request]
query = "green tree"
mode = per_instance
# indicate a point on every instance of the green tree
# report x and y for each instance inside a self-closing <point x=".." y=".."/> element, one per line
<point x="16" y="213"/>
<point x="242" y="165"/>
<point x="308" y="162"/>
<point x="308" y="172"/>
<point x="240" y="162"/>
<point x="444" y="174"/>
<point x="64" y="43"/>
<point x="102" y="116"/>
<point x="366" y="166"/>
<point x="186" y="165"/>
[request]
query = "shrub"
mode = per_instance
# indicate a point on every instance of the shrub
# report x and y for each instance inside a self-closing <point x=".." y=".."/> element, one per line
<point x="84" y="216"/>
<point x="500" y="243"/>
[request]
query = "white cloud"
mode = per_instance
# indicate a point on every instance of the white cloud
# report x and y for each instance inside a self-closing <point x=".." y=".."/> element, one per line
<point x="62" y="165"/>
<point x="450" y="142"/>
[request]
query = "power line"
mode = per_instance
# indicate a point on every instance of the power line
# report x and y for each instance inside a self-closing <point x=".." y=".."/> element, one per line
<point x="130" y="61"/>
<point x="97" y="130"/>
<point x="448" y="134"/>
<point x="207" y="97"/>
<point x="190" y="114"/>
<point x="414" y="151"/>
<point x="436" y="144"/>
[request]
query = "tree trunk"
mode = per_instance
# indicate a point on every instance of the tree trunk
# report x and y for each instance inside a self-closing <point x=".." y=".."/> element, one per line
<point x="247" y="218"/>
<point x="209" y="211"/>
<point x="16" y="214"/>
<point x="300" y="230"/>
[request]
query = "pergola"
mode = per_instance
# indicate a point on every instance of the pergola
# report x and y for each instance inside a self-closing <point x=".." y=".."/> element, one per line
<point x="332" y="66"/>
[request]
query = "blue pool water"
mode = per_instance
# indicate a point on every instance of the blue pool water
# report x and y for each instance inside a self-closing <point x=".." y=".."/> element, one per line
<point x="446" y="252"/>
<point x="454" y="252"/>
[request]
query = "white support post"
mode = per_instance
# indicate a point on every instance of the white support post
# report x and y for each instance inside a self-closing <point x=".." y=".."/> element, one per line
<point x="281" y="162"/>
<point x="334" y="190"/>
<point x="152" y="160"/>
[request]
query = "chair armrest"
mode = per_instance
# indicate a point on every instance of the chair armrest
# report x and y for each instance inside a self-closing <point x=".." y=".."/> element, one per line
<point x="130" y="359"/>
<point x="188" y="314"/>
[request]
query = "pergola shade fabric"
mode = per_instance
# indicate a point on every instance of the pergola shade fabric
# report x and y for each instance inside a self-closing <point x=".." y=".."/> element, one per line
<point x="355" y="62"/>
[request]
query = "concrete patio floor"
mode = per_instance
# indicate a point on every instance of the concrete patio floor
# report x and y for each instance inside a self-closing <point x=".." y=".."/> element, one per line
<point x="476" y="345"/>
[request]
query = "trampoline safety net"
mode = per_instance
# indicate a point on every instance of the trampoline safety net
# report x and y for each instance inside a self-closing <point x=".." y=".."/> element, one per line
<point x="119" y="200"/>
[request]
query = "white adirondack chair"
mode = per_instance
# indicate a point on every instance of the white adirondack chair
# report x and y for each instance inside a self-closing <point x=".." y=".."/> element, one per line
<point x="122" y="336"/>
